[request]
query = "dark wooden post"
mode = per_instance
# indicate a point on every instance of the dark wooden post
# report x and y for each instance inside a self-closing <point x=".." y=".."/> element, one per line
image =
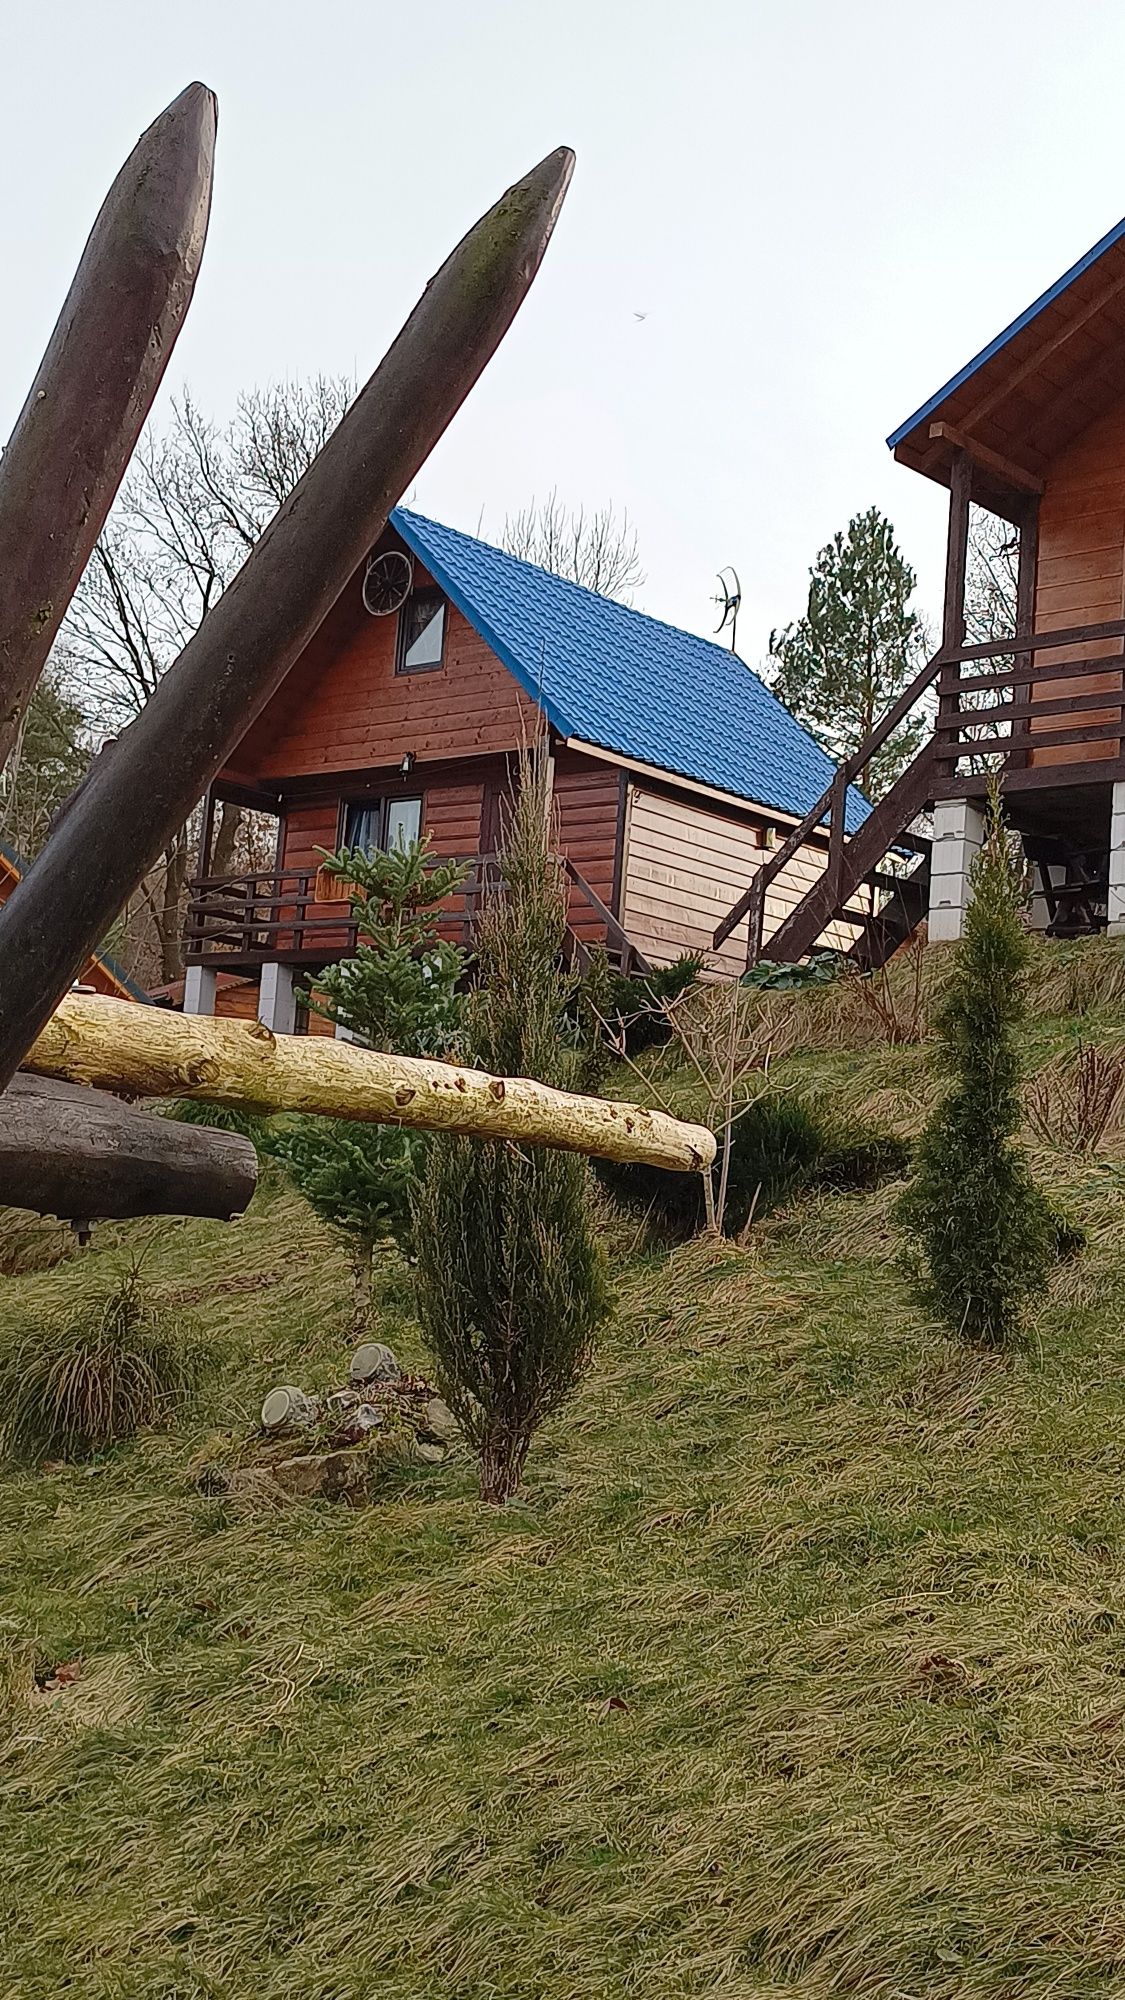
<point x="953" y="610"/>
<point x="144" y="786"/>
<point x="1026" y="578"/>
<point x="836" y="815"/>
<point x="104" y="361"/>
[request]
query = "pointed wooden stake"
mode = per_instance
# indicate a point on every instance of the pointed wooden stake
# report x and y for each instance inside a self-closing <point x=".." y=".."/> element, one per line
<point x="143" y="787"/>
<point x="103" y="365"/>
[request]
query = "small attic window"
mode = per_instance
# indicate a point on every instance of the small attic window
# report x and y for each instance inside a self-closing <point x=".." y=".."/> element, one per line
<point x="421" y="633"/>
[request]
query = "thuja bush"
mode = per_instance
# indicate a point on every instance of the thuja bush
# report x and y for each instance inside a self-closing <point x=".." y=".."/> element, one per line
<point x="91" y="1370"/>
<point x="984" y="1232"/>
<point x="510" y="1278"/>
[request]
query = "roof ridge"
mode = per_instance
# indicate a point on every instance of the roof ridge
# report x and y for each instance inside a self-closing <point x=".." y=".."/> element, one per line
<point x="568" y="583"/>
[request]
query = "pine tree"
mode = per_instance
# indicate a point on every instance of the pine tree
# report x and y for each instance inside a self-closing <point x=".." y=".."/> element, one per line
<point x="985" y="1231"/>
<point x="400" y="992"/>
<point x="510" y="1278"/>
<point x="842" y="665"/>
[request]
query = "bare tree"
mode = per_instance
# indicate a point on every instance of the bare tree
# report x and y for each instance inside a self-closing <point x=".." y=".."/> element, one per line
<point x="196" y="500"/>
<point x="991" y="576"/>
<point x="597" y="549"/>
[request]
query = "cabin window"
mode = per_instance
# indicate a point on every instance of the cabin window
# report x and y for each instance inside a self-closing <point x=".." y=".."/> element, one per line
<point x="421" y="633"/>
<point x="380" y="824"/>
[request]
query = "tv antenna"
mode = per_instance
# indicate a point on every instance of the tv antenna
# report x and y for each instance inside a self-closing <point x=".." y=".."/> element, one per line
<point x="729" y="595"/>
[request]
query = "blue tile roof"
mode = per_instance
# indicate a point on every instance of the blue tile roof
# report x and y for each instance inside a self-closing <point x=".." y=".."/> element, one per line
<point x="627" y="682"/>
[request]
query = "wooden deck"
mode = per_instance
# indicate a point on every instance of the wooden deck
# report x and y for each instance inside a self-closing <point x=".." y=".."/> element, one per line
<point x="237" y="923"/>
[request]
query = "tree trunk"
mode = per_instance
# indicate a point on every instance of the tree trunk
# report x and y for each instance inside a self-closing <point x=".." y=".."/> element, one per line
<point x="152" y="1052"/>
<point x="363" y="1253"/>
<point x="222" y="854"/>
<point x="78" y="1154"/>
<point x="170" y="912"/>
<point x="503" y="1455"/>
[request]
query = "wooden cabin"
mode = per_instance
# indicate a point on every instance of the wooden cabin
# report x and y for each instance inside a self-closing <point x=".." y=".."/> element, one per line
<point x="101" y="972"/>
<point x="1032" y="430"/>
<point x="675" y="770"/>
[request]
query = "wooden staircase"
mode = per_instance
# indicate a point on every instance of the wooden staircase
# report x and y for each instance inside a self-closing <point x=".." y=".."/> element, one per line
<point x="853" y="864"/>
<point x="1015" y="701"/>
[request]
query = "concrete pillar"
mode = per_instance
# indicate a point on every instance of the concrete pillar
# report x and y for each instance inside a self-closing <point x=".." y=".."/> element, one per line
<point x="277" y="1005"/>
<point x="958" y="834"/>
<point x="200" y="982"/>
<point x="1039" y="915"/>
<point x="1116" y="923"/>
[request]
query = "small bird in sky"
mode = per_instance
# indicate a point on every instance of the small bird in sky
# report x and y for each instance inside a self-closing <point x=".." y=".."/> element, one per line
<point x="638" y="315"/>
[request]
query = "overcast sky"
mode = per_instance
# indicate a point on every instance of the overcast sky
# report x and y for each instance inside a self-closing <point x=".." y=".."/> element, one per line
<point x="821" y="210"/>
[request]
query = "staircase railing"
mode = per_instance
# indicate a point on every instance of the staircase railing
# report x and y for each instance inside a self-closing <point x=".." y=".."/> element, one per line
<point x="833" y="801"/>
<point x="956" y="740"/>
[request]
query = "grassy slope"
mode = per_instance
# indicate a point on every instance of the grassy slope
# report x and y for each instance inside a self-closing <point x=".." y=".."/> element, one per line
<point x="800" y="1672"/>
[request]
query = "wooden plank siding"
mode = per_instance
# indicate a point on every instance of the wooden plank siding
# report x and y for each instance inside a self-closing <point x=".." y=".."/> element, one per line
<point x="343" y="707"/>
<point x="1081" y="575"/>
<point x="587" y="808"/>
<point x="684" y="866"/>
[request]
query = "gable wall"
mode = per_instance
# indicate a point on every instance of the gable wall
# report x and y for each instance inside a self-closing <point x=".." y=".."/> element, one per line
<point x="343" y="707"/>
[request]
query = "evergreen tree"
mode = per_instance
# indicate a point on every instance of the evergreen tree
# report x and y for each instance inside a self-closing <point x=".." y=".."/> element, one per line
<point x="398" y="992"/>
<point x="510" y="1279"/>
<point x="47" y="763"/>
<point x="842" y="665"/>
<point x="985" y="1231"/>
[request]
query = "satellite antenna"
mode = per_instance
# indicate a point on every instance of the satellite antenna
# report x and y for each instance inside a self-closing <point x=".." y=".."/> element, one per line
<point x="729" y="596"/>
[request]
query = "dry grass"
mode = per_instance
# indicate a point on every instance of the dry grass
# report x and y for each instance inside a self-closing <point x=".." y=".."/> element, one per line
<point x="798" y="1672"/>
<point x="91" y="1367"/>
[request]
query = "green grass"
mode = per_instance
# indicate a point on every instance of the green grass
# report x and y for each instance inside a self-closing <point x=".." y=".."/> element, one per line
<point x="799" y="1671"/>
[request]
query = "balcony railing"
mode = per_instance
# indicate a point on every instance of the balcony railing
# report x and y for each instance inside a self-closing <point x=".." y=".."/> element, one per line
<point x="297" y="915"/>
<point x="1009" y="719"/>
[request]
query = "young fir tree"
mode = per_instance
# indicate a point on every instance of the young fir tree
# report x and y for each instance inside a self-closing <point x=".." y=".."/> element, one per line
<point x="842" y="665"/>
<point x="510" y="1279"/>
<point x="399" y="992"/>
<point x="985" y="1231"/>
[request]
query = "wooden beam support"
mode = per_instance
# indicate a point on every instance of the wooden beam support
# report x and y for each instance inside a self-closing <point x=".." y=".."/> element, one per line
<point x="104" y="362"/>
<point x="1004" y="469"/>
<point x="953" y="608"/>
<point x="139" y="790"/>
<point x="149" y="1052"/>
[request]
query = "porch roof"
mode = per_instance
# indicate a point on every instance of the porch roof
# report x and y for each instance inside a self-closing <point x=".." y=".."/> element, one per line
<point x="1036" y="386"/>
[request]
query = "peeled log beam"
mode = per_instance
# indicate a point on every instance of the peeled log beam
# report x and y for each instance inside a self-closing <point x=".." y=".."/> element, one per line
<point x="149" y="1052"/>
<point x="80" y="1155"/>
<point x="104" y="361"/>
<point x="142" y="788"/>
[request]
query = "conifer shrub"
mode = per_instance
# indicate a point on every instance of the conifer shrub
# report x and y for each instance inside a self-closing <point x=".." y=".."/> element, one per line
<point x="984" y="1232"/>
<point x="400" y="992"/>
<point x="90" y="1370"/>
<point x="510" y="1281"/>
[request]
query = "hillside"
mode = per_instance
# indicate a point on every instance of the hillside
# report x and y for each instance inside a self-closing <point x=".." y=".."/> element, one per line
<point x="799" y="1670"/>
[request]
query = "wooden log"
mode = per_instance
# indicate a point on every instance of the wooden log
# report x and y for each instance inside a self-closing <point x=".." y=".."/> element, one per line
<point x="151" y="1052"/>
<point x="143" y="787"/>
<point x="104" y="361"/>
<point x="81" y="1155"/>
